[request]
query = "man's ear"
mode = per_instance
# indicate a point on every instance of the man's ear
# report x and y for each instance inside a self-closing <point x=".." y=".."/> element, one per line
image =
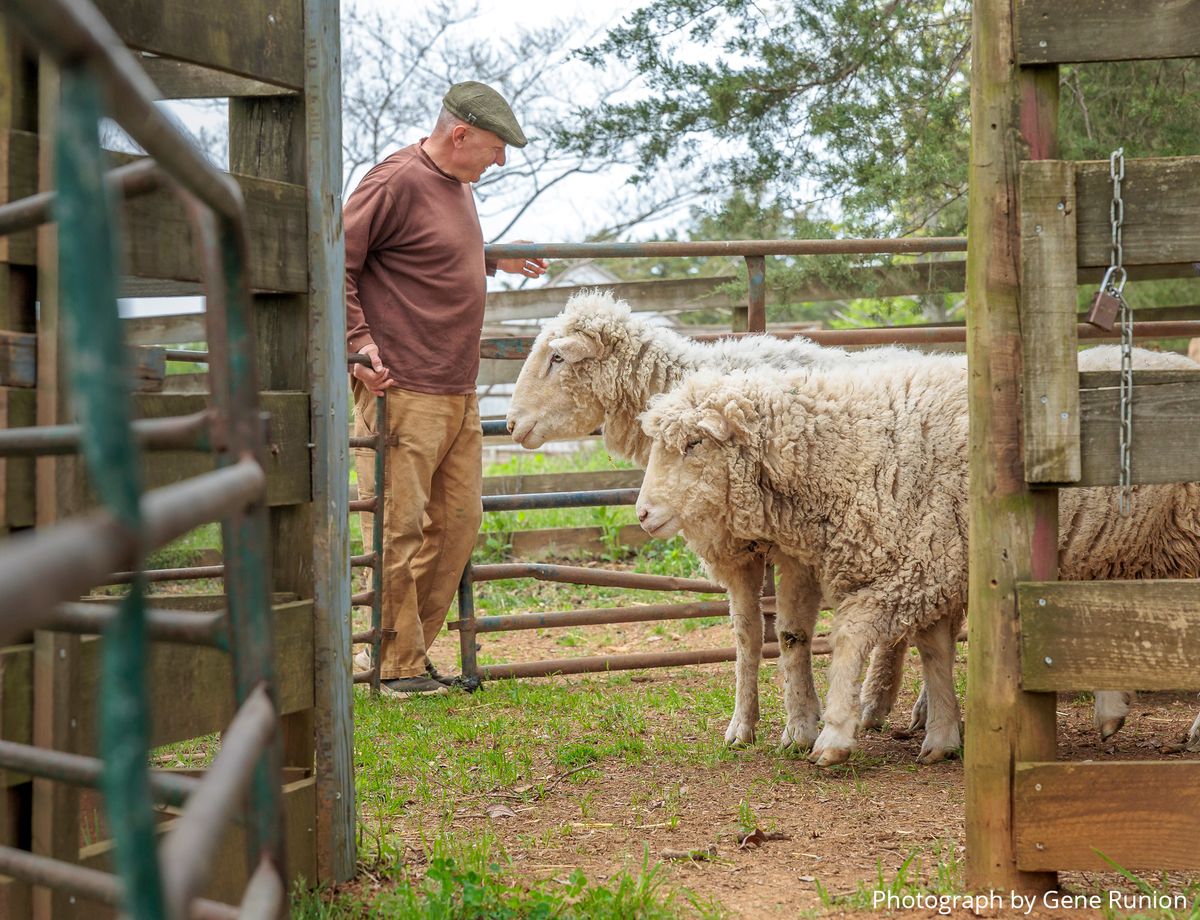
<point x="458" y="135"/>
<point x="575" y="347"/>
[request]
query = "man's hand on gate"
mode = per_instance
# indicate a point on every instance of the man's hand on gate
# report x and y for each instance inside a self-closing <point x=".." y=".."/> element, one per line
<point x="374" y="378"/>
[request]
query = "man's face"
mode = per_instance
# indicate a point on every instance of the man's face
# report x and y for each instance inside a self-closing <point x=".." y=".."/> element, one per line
<point x="478" y="151"/>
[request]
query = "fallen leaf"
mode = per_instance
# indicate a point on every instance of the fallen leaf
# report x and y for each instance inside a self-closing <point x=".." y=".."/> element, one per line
<point x="759" y="837"/>
<point x="500" y="810"/>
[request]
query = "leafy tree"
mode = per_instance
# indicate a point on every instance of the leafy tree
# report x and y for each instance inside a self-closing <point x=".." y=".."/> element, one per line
<point x="397" y="65"/>
<point x="849" y="118"/>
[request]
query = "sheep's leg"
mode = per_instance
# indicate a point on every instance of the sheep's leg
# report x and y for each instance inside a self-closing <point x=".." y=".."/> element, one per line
<point x="1112" y="706"/>
<point x="744" y="584"/>
<point x="882" y="683"/>
<point x="798" y="600"/>
<point x="942" y="733"/>
<point x="854" y="634"/>
<point x="1193" y="738"/>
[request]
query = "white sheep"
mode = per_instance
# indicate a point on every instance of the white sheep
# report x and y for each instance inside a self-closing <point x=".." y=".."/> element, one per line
<point x="863" y="478"/>
<point x="595" y="364"/>
<point x="1091" y="552"/>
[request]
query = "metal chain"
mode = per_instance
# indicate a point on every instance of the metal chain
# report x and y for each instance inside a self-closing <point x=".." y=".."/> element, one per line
<point x="1116" y="169"/>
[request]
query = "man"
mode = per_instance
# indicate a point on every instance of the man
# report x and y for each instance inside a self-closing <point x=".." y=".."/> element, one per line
<point x="415" y="292"/>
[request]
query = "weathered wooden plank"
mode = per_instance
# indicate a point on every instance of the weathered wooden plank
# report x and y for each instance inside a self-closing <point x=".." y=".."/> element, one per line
<point x="18" y="179"/>
<point x="562" y="482"/>
<point x="263" y="41"/>
<point x="57" y="704"/>
<point x="228" y="878"/>
<point x="184" y="80"/>
<point x="1166" y="427"/>
<point x="1110" y="635"/>
<point x="191" y="687"/>
<point x="1142" y="816"/>
<point x="1077" y="31"/>
<point x="18" y="363"/>
<point x="16" y="473"/>
<point x="565" y="541"/>
<point x="1012" y="529"/>
<point x="336" y="811"/>
<point x="288" y="466"/>
<point x="1160" y="223"/>
<point x="18" y="359"/>
<point x="1048" y="339"/>
<point x="172" y="329"/>
<point x="158" y="241"/>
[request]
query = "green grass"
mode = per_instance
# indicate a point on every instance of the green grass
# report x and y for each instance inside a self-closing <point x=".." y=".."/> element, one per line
<point x="936" y="872"/>
<point x="472" y="879"/>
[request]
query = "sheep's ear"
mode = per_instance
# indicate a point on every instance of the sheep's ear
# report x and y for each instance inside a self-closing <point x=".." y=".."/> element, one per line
<point x="575" y="347"/>
<point x="716" y="426"/>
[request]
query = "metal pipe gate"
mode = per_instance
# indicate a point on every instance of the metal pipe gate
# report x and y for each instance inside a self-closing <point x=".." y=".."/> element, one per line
<point x="42" y="573"/>
<point x="748" y="320"/>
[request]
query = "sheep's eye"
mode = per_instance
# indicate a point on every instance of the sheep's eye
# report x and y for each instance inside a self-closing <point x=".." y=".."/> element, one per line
<point x="556" y="358"/>
<point x="692" y="445"/>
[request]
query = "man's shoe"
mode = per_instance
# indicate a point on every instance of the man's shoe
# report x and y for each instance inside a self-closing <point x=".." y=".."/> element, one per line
<point x="420" y="685"/>
<point x="432" y="672"/>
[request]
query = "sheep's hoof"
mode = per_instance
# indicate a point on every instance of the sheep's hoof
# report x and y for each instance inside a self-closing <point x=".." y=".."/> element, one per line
<point x="740" y="734"/>
<point x="872" y="719"/>
<point x="828" y="757"/>
<point x="920" y="711"/>
<point x="937" y="755"/>
<point x="1110" y="727"/>
<point x="797" y="739"/>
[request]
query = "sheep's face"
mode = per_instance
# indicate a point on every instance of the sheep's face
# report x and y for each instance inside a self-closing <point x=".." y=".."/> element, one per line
<point x="696" y="432"/>
<point x="683" y="489"/>
<point x="552" y="398"/>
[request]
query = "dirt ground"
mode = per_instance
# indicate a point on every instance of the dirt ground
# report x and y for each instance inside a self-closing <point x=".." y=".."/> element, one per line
<point x="838" y="828"/>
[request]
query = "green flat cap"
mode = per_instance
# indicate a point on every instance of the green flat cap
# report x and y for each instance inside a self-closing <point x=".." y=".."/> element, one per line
<point x="479" y="105"/>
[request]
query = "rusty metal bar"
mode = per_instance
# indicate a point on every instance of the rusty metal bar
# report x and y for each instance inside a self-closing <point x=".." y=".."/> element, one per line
<point x="756" y="295"/>
<point x="363" y="638"/>
<point x="601" y="578"/>
<point x="183" y="432"/>
<point x="532" y="500"/>
<point x="184" y="354"/>
<point x="78" y="770"/>
<point x="465" y="624"/>
<point x="363" y="442"/>
<point x="727" y="248"/>
<point x="186" y="854"/>
<point x="600" y="663"/>
<point x="600" y="616"/>
<point x="594" y="664"/>
<point x="190" y="573"/>
<point x="126" y="181"/>
<point x="71" y="32"/>
<point x="366" y="560"/>
<point x="41" y="570"/>
<point x="201" y="628"/>
<point x="362" y="504"/>
<point x="365" y="677"/>
<point x="91" y="884"/>
<point x="517" y="347"/>
<point x="362" y="599"/>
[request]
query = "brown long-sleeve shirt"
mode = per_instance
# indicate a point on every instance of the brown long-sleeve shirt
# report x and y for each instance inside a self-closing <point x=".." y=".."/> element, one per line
<point x="415" y="273"/>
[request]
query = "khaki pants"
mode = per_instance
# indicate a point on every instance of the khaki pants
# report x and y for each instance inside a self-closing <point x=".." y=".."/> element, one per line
<point x="431" y="513"/>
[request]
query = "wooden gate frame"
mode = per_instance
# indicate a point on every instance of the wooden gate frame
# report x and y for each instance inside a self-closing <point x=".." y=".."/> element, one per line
<point x="1037" y="424"/>
<point x="278" y="61"/>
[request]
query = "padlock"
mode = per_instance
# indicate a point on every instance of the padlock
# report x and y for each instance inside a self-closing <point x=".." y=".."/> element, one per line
<point x="1104" y="309"/>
